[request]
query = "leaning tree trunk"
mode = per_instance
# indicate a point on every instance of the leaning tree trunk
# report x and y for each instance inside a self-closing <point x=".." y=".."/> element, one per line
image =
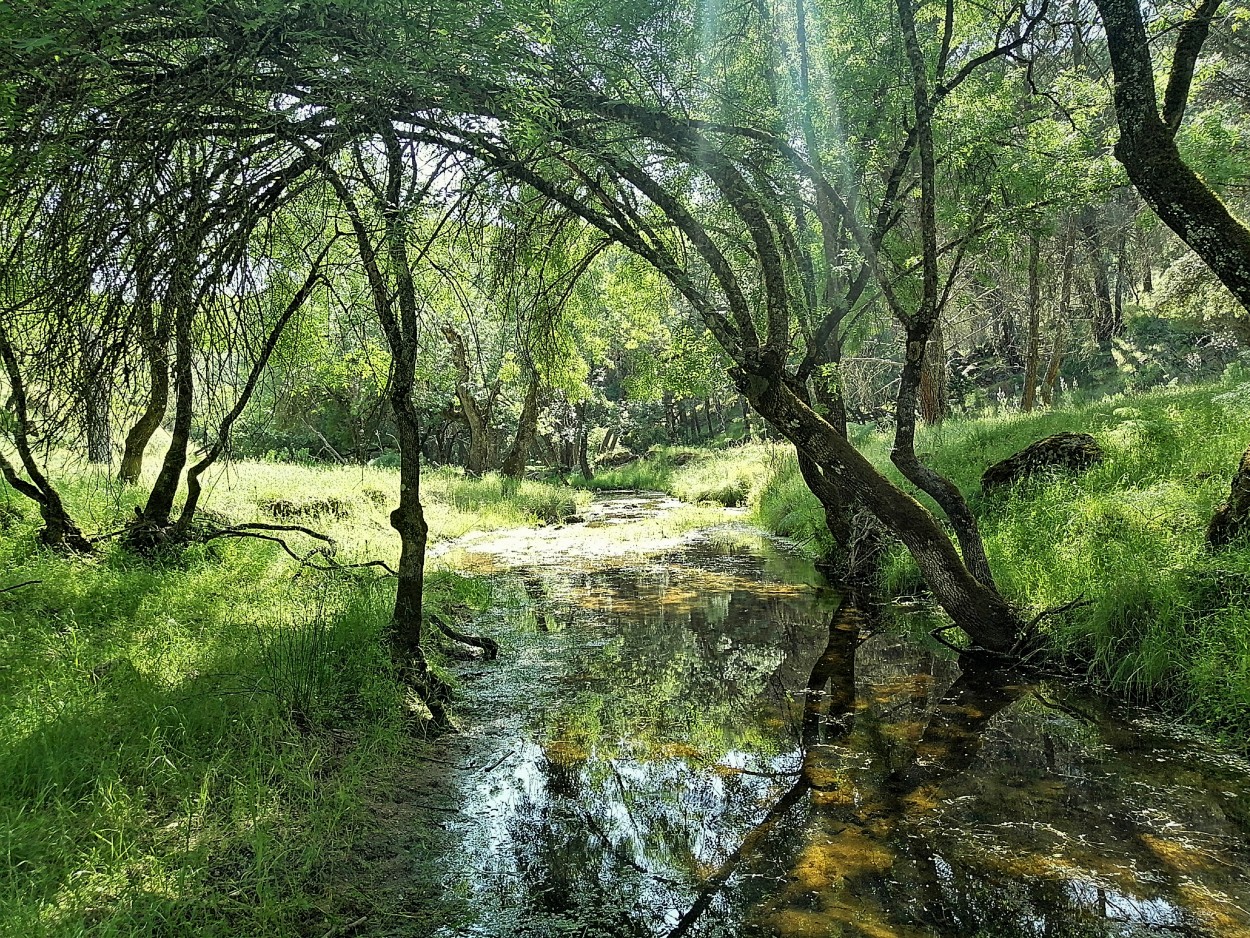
<point x="59" y="529"/>
<point x="973" y="605"/>
<point x="1147" y="145"/>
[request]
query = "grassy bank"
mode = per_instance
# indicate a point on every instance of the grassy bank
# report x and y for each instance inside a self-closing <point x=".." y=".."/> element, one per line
<point x="182" y="744"/>
<point x="1168" y="620"/>
<point x="730" y="476"/>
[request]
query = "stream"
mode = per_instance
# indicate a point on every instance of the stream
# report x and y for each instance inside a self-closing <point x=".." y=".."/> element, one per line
<point x="690" y="734"/>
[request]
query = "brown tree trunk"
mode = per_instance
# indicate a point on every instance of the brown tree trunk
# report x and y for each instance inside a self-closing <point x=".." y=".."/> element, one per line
<point x="154" y="340"/>
<point x="1104" y="309"/>
<point x="1060" y="338"/>
<point x="1033" y="351"/>
<point x="1231" y="518"/>
<point x="59" y="529"/>
<point x="973" y="605"/>
<point x="475" y="417"/>
<point x="160" y="504"/>
<point x="583" y="439"/>
<point x="1147" y="146"/>
<point x="514" y="462"/>
<point x="934" y="400"/>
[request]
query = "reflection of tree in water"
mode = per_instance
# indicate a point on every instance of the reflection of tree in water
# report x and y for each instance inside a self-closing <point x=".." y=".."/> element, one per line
<point x="863" y="842"/>
<point x="702" y="776"/>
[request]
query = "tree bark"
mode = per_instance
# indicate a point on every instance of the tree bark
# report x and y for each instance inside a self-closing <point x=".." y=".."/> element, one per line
<point x="1033" y="352"/>
<point x="527" y="426"/>
<point x="1104" y="309"/>
<point x="475" y="417"/>
<point x="583" y="440"/>
<point x="1148" y="151"/>
<point x="1060" y="337"/>
<point x="973" y="605"/>
<point x="154" y="341"/>
<point x="59" y="531"/>
<point x="934" y="398"/>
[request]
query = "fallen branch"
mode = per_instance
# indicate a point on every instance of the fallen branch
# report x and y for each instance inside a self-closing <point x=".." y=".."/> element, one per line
<point x="18" y="586"/>
<point x="346" y="929"/>
<point x="488" y="645"/>
<point x="1077" y="603"/>
<point x="258" y="531"/>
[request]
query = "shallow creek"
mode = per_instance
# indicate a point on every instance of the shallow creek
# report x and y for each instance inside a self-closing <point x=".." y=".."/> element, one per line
<point x="692" y="735"/>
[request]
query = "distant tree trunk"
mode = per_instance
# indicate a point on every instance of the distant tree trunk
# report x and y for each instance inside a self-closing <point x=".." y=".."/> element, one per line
<point x="96" y="384"/>
<point x="1061" y="321"/>
<point x="746" y="419"/>
<point x="476" y="418"/>
<point x="583" y="440"/>
<point x="1033" y="352"/>
<point x="154" y="341"/>
<point x="518" y="455"/>
<point x="1104" y="308"/>
<point x="670" y="416"/>
<point x="1121" y="278"/>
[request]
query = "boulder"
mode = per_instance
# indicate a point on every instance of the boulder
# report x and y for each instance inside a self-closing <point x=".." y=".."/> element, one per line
<point x="1072" y="452"/>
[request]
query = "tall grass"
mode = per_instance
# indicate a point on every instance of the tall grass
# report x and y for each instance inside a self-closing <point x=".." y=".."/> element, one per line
<point x="183" y="744"/>
<point x="174" y="752"/>
<point x="730" y="476"/>
<point x="1168" y="619"/>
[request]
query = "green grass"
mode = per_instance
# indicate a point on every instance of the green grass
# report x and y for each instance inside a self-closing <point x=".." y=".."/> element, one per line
<point x="183" y="744"/>
<point x="1168" y="620"/>
<point x="730" y="476"/>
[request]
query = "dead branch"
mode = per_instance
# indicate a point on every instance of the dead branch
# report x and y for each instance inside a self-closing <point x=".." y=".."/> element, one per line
<point x="488" y="645"/>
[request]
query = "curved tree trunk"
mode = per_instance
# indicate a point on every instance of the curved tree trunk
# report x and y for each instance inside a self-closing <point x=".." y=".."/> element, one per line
<point x="59" y="529"/>
<point x="527" y="426"/>
<point x="154" y="340"/>
<point x="973" y="605"/>
<point x="1147" y="146"/>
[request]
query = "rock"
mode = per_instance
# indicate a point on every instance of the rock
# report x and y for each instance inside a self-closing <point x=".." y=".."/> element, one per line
<point x="1074" y="452"/>
<point x="615" y="459"/>
<point x="1230" y="518"/>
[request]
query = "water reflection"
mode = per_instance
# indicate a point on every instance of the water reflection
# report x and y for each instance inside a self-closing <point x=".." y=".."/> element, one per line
<point x="710" y="744"/>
